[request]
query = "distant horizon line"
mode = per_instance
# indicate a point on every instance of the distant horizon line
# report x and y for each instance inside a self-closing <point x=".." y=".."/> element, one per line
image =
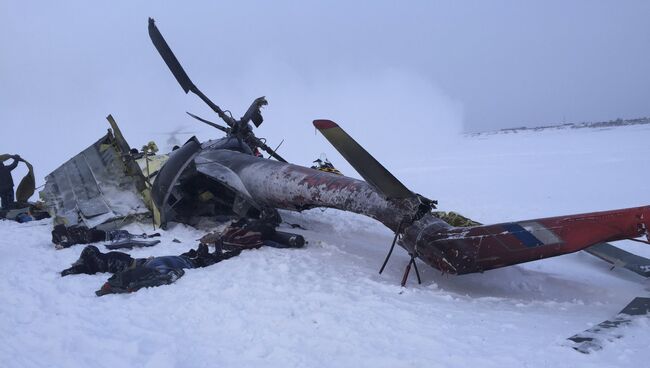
<point x="599" y="124"/>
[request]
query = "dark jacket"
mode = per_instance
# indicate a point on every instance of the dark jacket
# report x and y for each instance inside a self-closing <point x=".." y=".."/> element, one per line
<point x="6" y="181"/>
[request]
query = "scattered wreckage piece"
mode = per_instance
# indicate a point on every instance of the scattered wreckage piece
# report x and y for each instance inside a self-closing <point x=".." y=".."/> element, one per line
<point x="595" y="338"/>
<point x="100" y="187"/>
<point x="621" y="258"/>
<point x="130" y="244"/>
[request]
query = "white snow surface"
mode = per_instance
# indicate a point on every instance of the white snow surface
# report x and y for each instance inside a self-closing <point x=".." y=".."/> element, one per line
<point x="326" y="306"/>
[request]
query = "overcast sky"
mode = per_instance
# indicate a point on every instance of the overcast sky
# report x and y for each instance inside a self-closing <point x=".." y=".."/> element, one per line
<point x="382" y="69"/>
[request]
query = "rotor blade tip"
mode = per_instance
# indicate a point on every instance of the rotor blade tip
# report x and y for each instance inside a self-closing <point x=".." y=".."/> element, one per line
<point x="324" y="124"/>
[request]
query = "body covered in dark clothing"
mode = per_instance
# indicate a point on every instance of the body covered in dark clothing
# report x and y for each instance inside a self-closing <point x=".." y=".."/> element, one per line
<point x="131" y="274"/>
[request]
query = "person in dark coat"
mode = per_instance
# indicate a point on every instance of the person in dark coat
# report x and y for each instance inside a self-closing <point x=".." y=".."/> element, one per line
<point x="131" y="274"/>
<point x="7" y="183"/>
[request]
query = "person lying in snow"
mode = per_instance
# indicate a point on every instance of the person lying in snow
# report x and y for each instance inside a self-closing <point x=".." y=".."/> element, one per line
<point x="64" y="237"/>
<point x="131" y="274"/>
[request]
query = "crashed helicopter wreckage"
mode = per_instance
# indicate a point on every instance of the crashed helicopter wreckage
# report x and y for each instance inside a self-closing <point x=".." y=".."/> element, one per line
<point x="257" y="184"/>
<point x="229" y="177"/>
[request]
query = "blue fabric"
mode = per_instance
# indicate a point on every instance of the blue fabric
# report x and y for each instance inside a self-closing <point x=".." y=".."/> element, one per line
<point x="23" y="217"/>
<point x="165" y="264"/>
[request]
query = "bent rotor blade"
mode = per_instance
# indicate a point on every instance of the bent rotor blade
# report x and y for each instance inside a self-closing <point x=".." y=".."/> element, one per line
<point x="367" y="166"/>
<point x="179" y="73"/>
<point x="169" y="57"/>
<point x="214" y="125"/>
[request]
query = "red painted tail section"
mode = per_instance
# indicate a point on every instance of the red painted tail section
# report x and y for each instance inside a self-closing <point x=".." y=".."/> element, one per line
<point x="476" y="249"/>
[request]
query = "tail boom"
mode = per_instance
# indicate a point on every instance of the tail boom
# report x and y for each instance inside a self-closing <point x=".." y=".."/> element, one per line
<point x="480" y="248"/>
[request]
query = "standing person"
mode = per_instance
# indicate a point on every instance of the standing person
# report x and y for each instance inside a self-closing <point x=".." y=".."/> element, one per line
<point x="7" y="183"/>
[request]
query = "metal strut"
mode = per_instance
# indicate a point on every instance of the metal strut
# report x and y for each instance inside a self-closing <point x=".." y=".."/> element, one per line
<point x="408" y="270"/>
<point x="392" y="246"/>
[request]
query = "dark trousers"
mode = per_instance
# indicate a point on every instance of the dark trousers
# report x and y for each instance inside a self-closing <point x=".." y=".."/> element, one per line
<point x="7" y="198"/>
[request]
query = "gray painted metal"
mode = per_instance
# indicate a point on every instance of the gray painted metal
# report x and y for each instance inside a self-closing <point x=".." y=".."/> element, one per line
<point x="92" y="188"/>
<point x="168" y="176"/>
<point x="292" y="187"/>
<point x="621" y="258"/>
<point x="595" y="338"/>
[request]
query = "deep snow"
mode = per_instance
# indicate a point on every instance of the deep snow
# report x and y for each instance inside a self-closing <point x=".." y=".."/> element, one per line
<point x="325" y="305"/>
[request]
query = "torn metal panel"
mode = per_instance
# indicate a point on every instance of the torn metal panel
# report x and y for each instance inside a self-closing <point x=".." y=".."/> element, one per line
<point x="192" y="184"/>
<point x="94" y="187"/>
<point x="162" y="192"/>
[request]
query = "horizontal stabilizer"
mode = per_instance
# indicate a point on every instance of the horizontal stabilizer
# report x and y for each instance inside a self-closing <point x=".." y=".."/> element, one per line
<point x="618" y="257"/>
<point x="367" y="166"/>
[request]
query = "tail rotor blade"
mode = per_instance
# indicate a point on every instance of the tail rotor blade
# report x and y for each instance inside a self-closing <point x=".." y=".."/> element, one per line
<point x="367" y="166"/>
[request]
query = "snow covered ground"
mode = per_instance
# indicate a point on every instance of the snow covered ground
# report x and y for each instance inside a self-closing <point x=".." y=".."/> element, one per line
<point x="326" y="306"/>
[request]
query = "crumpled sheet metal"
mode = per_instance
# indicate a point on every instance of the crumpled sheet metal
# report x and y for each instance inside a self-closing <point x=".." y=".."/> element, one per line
<point x="93" y="188"/>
